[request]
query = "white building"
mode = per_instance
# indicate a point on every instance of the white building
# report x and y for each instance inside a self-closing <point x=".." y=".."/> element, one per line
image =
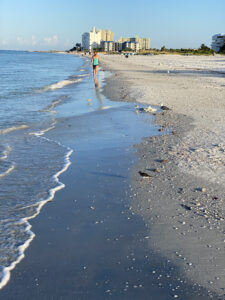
<point x="218" y="40"/>
<point x="135" y="46"/>
<point x="107" y="35"/>
<point x="108" y="46"/>
<point x="144" y="43"/>
<point x="92" y="40"/>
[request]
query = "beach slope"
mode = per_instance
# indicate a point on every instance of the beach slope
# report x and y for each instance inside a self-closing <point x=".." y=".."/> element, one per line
<point x="183" y="202"/>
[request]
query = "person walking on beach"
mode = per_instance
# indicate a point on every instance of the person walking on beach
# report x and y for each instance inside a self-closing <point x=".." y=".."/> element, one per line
<point x="95" y="64"/>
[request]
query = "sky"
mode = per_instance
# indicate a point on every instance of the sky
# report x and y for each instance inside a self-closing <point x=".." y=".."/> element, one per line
<point x="59" y="25"/>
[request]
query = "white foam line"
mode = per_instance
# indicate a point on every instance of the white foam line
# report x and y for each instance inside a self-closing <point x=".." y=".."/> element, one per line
<point x="61" y="84"/>
<point x="7" y="130"/>
<point x="42" y="132"/>
<point x="83" y="75"/>
<point x="22" y="248"/>
<point x="51" y="106"/>
<point x="6" y="152"/>
<point x="10" y="169"/>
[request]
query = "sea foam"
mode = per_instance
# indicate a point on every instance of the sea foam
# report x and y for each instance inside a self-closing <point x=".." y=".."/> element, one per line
<point x="61" y="84"/>
<point x="5" y="152"/>
<point x="21" y="249"/>
<point x="9" y="170"/>
<point x="13" y="128"/>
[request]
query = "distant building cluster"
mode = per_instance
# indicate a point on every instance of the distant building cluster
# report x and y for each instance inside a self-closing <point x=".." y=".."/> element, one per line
<point x="218" y="41"/>
<point x="92" y="40"/>
<point x="104" y="40"/>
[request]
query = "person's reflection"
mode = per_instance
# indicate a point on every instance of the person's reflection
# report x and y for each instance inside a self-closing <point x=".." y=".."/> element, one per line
<point x="97" y="85"/>
<point x="99" y="96"/>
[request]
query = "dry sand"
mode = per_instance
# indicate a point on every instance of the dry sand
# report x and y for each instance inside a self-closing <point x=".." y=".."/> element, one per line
<point x="186" y="223"/>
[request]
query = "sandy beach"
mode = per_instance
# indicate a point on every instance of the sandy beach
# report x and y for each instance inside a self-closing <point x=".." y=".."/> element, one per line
<point x="189" y="85"/>
<point x="183" y="200"/>
<point x="88" y="243"/>
<point x="111" y="233"/>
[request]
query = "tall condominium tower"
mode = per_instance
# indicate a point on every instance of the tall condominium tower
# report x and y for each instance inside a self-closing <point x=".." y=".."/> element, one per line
<point x="92" y="40"/>
<point x="107" y="35"/>
<point x="144" y="43"/>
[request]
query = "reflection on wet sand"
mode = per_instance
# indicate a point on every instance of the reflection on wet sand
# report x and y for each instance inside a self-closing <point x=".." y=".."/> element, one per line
<point x="98" y="94"/>
<point x="97" y="85"/>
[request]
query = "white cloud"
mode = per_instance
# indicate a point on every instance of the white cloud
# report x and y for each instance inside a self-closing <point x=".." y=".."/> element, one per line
<point x="22" y="41"/>
<point x="53" y="40"/>
<point x="19" y="40"/>
<point x="34" y="40"/>
<point x="4" y="42"/>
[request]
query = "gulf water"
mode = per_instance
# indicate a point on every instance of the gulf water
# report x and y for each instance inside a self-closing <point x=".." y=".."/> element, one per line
<point x="38" y="92"/>
<point x="32" y="86"/>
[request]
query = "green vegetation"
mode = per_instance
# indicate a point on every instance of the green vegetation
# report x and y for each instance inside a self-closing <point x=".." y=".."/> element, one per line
<point x="128" y="50"/>
<point x="77" y="47"/>
<point x="202" y="50"/>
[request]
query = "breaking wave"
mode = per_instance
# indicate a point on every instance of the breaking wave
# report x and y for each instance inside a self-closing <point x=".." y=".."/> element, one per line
<point x="61" y="84"/>
<point x="5" y="271"/>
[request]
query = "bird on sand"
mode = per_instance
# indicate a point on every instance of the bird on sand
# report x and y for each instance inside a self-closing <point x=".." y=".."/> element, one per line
<point x="163" y="107"/>
<point x="144" y="175"/>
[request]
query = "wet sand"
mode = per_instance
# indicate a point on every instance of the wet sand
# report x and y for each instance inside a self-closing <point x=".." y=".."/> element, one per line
<point x="91" y="241"/>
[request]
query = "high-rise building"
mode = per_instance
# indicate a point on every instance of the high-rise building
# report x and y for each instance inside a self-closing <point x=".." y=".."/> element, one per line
<point x="135" y="46"/>
<point x="107" y="35"/>
<point x="144" y="43"/>
<point x="118" y="46"/>
<point x="218" y="41"/>
<point x="107" y="46"/>
<point x="92" y="40"/>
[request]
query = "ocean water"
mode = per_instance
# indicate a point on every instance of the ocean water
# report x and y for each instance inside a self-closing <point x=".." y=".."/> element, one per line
<point x="38" y="92"/>
<point x="32" y="86"/>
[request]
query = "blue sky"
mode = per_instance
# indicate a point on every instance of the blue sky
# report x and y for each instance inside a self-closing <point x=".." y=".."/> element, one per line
<point x="54" y="24"/>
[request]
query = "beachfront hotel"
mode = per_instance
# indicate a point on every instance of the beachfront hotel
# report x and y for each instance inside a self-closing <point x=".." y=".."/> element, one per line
<point x="144" y="43"/>
<point x="107" y="35"/>
<point x="111" y="46"/>
<point x="135" y="46"/>
<point x="108" y="46"/>
<point x="92" y="39"/>
<point x="103" y="39"/>
<point x="218" y="41"/>
<point x="124" y="43"/>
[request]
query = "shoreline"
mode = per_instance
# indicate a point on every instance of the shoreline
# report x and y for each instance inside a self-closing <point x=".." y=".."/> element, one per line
<point x="53" y="219"/>
<point x="183" y="211"/>
<point x="91" y="212"/>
